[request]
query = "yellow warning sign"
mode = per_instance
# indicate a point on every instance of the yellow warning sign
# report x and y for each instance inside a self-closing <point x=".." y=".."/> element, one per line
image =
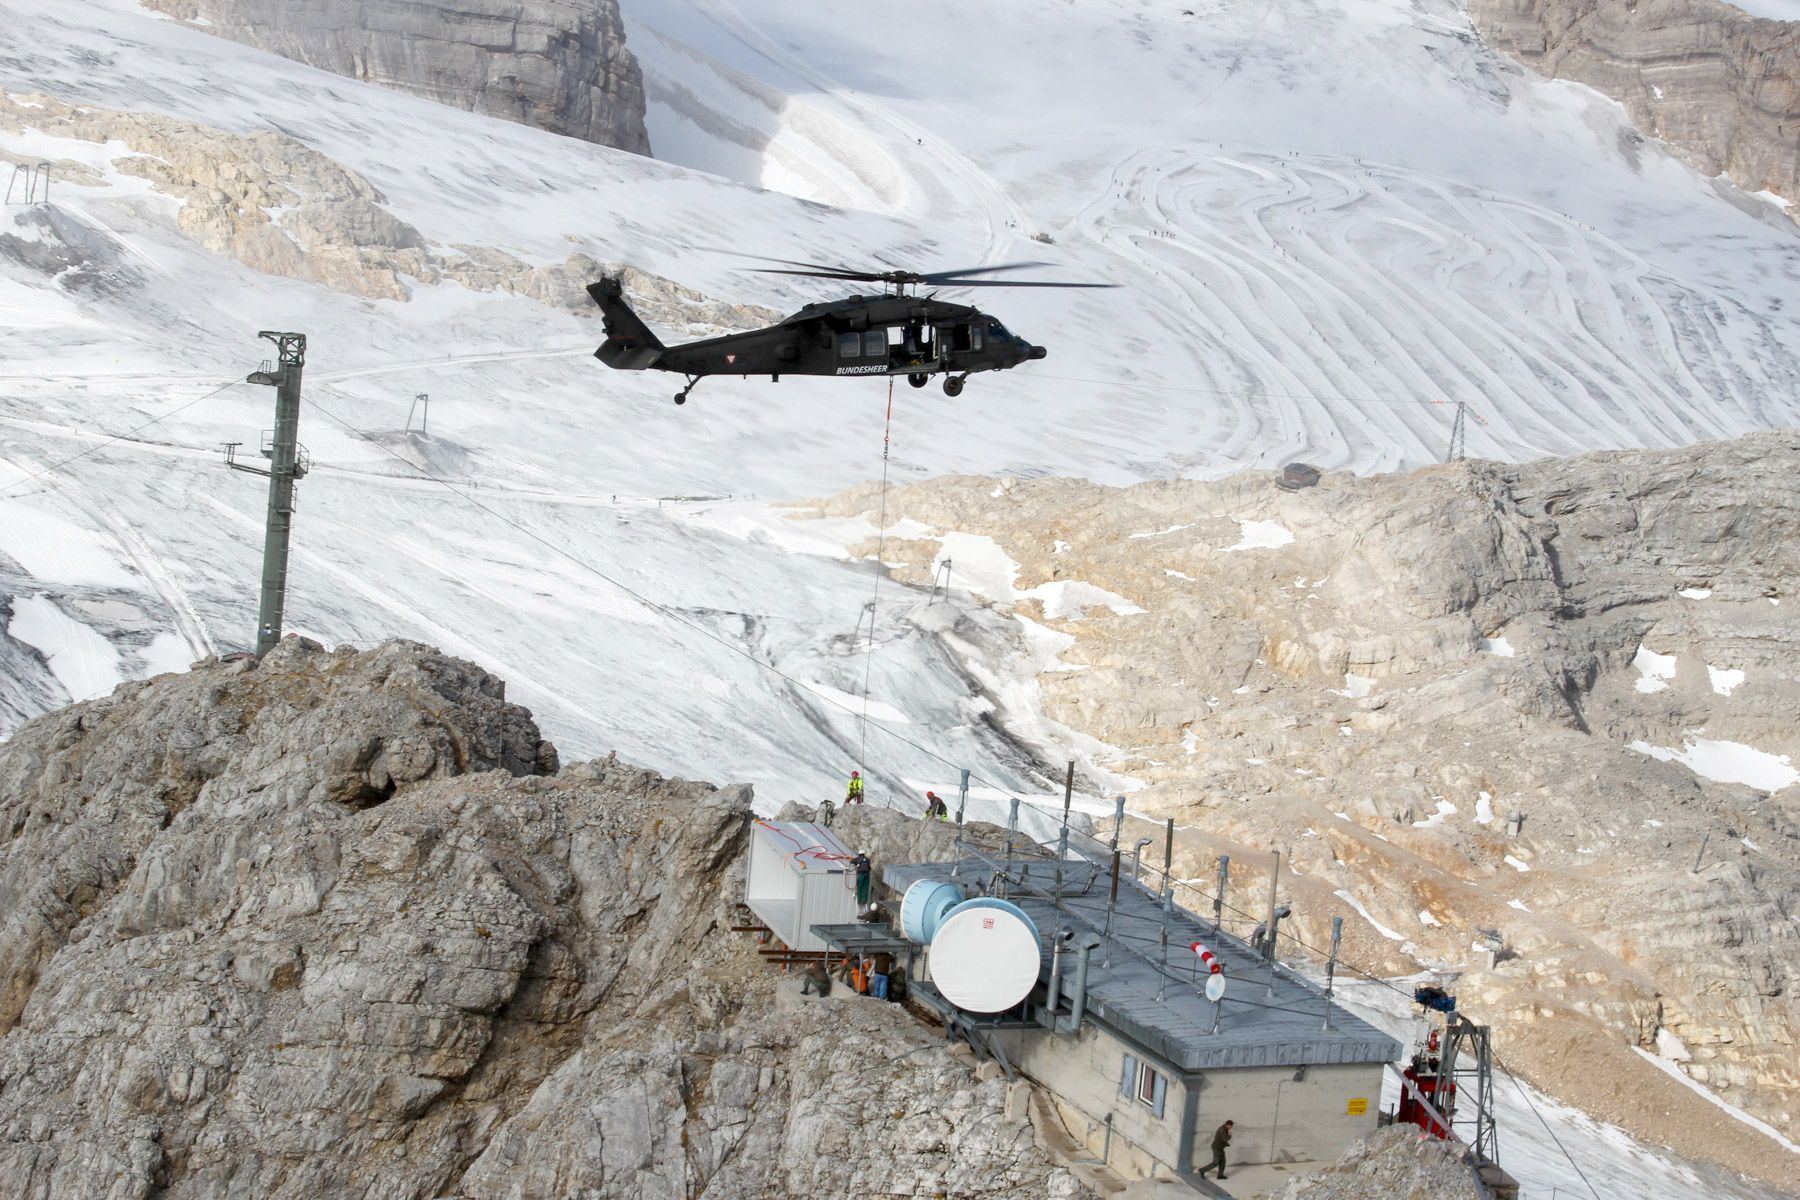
<point x="1357" y="1108"/>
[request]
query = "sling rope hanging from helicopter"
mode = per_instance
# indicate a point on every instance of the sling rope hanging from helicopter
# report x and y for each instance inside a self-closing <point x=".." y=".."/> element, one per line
<point x="887" y="430"/>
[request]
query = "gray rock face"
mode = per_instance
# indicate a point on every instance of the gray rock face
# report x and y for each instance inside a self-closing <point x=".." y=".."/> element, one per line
<point x="1722" y="88"/>
<point x="559" y="65"/>
<point x="1608" y="644"/>
<point x="1389" y="1164"/>
<point x="336" y="926"/>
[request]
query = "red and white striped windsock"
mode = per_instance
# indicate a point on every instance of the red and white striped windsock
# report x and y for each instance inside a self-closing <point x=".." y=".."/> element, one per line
<point x="1212" y="965"/>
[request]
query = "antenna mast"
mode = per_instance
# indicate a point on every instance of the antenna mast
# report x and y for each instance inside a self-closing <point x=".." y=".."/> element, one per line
<point x="1456" y="433"/>
<point x="287" y="463"/>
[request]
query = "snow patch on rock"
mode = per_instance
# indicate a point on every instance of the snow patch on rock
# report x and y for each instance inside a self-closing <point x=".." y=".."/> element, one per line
<point x="1727" y="762"/>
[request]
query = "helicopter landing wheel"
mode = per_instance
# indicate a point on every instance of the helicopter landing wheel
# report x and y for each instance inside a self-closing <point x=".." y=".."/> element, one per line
<point x="681" y="397"/>
<point x="953" y="385"/>
<point x="918" y="379"/>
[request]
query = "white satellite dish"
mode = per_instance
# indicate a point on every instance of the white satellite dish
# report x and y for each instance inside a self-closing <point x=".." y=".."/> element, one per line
<point x="1215" y="987"/>
<point x="985" y="957"/>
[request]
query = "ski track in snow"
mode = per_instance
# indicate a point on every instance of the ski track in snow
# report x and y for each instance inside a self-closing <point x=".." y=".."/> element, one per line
<point x="1337" y="299"/>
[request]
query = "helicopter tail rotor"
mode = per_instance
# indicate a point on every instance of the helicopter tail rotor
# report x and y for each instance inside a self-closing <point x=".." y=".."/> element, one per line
<point x="629" y="344"/>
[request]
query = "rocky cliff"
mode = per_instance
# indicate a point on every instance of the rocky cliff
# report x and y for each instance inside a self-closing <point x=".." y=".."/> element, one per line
<point x="341" y="925"/>
<point x="1391" y="1164"/>
<point x="559" y="65"/>
<point x="1372" y="673"/>
<point x="1721" y="87"/>
<point x="280" y="207"/>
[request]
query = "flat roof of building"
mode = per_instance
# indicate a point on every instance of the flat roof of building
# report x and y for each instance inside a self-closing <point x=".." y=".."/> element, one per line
<point x="1162" y="1009"/>
<point x="805" y="846"/>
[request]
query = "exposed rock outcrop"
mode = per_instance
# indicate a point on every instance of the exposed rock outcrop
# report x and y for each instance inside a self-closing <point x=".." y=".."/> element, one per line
<point x="280" y="207"/>
<point x="1391" y="1164"/>
<point x="339" y="925"/>
<point x="559" y="65"/>
<point x="1372" y="673"/>
<point x="1721" y="87"/>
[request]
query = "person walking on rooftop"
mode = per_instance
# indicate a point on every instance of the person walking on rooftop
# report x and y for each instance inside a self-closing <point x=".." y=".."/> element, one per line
<point x="1221" y="1139"/>
<point x="854" y="794"/>
<point x="861" y="865"/>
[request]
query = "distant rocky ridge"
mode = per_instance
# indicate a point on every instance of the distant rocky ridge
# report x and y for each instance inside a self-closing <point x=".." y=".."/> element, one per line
<point x="340" y="924"/>
<point x="280" y="207"/>
<point x="1721" y="87"/>
<point x="559" y="65"/>
<point x="1370" y="674"/>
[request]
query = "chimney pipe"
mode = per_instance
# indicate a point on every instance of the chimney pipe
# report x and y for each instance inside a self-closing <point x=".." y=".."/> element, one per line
<point x="1053" y="990"/>
<point x="1078" y="1009"/>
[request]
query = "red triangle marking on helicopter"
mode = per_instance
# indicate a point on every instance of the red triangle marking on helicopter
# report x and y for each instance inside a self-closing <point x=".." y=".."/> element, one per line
<point x="731" y="358"/>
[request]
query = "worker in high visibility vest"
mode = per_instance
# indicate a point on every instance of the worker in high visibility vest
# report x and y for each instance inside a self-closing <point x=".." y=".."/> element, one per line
<point x="854" y="795"/>
<point x="935" y="807"/>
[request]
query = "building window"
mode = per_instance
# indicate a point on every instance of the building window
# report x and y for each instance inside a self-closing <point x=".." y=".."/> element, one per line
<point x="1145" y="1084"/>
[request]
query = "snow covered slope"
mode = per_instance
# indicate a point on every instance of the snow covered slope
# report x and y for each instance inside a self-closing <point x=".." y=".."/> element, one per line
<point x="1330" y="219"/>
<point x="1327" y="220"/>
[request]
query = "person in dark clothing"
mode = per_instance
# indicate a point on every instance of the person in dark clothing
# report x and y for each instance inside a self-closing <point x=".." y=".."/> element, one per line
<point x="935" y="807"/>
<point x="861" y="866"/>
<point x="1221" y="1139"/>
<point x="817" y="979"/>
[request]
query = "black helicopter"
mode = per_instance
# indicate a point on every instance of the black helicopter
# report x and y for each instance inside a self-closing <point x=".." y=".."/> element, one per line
<point x="898" y="333"/>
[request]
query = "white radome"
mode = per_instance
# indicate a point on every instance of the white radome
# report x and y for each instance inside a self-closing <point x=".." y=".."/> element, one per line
<point x="985" y="957"/>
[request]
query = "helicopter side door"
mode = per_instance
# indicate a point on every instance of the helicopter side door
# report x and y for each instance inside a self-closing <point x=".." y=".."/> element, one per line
<point x="862" y="352"/>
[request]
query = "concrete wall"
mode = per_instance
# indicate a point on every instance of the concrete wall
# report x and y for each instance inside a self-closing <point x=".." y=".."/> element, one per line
<point x="1278" y="1118"/>
<point x="1281" y="1120"/>
<point x="1083" y="1073"/>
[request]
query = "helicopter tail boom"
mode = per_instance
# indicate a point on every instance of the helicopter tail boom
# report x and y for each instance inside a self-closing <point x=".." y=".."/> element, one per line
<point x="629" y="344"/>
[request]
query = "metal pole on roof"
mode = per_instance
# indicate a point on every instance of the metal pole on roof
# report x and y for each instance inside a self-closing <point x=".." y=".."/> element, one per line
<point x="1012" y="827"/>
<point x="962" y="804"/>
<point x="1168" y="902"/>
<point x="1269" y="935"/>
<point x="1269" y="926"/>
<point x="1112" y="902"/>
<point x="1068" y="792"/>
<point x="1168" y="863"/>
<point x="1337" y="935"/>
<point x="1219" y="900"/>
<point x="1062" y="852"/>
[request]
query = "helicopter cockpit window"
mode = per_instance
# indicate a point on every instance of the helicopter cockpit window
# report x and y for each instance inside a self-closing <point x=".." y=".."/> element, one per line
<point x="849" y="345"/>
<point x="997" y="331"/>
<point x="875" y="343"/>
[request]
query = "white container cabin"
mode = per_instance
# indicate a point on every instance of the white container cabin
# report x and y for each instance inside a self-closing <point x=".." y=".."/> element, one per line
<point x="799" y="875"/>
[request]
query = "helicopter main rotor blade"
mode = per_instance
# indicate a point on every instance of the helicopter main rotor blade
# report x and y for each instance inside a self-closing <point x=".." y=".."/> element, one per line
<point x="1017" y="283"/>
<point x="786" y="262"/>
<point x="939" y="276"/>
<point x="858" y="276"/>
